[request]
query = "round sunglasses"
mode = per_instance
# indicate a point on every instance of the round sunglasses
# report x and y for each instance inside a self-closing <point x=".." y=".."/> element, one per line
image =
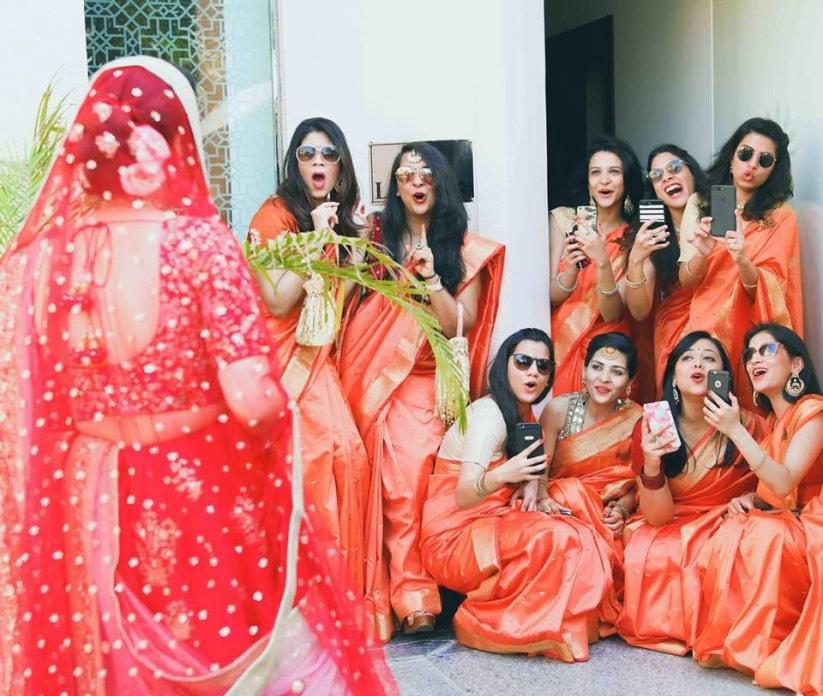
<point x="328" y="153"/>
<point x="523" y="362"/>
<point x="406" y="174"/>
<point x="767" y="350"/>
<point x="675" y="166"/>
<point x="764" y="159"/>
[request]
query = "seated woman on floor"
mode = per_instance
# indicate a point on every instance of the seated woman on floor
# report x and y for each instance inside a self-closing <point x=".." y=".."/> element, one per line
<point x="534" y="580"/>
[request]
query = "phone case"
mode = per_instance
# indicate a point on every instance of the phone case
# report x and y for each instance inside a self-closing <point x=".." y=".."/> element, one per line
<point x="589" y="214"/>
<point x="719" y="383"/>
<point x="659" y="417"/>
<point x="723" y="204"/>
<point x="526" y="434"/>
<point x="651" y="209"/>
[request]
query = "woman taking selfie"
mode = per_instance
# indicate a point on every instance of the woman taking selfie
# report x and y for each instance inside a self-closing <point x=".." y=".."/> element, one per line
<point x="686" y="476"/>
<point x="756" y="575"/>
<point x="588" y="255"/>
<point x="751" y="272"/>
<point x="511" y="562"/>
<point x="319" y="191"/>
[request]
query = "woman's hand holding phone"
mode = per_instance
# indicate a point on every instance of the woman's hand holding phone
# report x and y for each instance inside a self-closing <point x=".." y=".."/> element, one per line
<point x="735" y="239"/>
<point x="575" y="257"/>
<point x="521" y="467"/>
<point x="657" y="440"/>
<point x="593" y="246"/>
<point x="651" y="237"/>
<point x="722" y="416"/>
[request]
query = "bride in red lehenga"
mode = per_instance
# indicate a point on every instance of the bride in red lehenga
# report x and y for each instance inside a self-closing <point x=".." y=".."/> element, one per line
<point x="152" y="532"/>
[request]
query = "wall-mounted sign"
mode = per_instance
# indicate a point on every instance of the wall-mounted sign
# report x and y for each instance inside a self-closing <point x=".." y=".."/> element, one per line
<point x="457" y="152"/>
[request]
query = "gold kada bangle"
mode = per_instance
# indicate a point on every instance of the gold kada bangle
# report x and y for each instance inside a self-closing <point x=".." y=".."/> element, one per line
<point x="560" y="285"/>
<point x="635" y="283"/>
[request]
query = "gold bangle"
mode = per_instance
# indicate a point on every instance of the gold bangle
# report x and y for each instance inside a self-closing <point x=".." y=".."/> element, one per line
<point x="690" y="271"/>
<point x="480" y="489"/>
<point x="607" y="293"/>
<point x="560" y="285"/>
<point x="635" y="284"/>
<point x="746" y="285"/>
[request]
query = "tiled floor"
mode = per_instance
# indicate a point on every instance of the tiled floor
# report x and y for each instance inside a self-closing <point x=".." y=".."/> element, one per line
<point x="434" y="665"/>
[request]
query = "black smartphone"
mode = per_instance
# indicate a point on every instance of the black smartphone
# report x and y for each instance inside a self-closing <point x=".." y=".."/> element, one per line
<point x="720" y="383"/>
<point x="526" y="434"/>
<point x="651" y="209"/>
<point x="723" y="204"/>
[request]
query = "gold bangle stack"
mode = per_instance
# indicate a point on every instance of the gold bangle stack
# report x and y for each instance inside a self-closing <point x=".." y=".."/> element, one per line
<point x="480" y="489"/>
<point x="635" y="283"/>
<point x="607" y="293"/>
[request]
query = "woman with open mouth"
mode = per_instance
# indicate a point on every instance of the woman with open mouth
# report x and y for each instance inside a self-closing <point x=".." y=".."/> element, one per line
<point x="588" y="438"/>
<point x="388" y="373"/>
<point x="589" y="247"/>
<point x="319" y="191"/>
<point x="535" y="577"/>
<point x="652" y="278"/>
<point x="683" y="490"/>
<point x="763" y="577"/>
<point x="752" y="274"/>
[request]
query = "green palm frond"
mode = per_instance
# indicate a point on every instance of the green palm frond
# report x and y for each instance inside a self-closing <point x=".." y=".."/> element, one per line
<point x="21" y="174"/>
<point x="301" y="254"/>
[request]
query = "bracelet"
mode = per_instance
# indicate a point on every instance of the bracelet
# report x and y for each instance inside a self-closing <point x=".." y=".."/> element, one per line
<point x="480" y="489"/>
<point x="760" y="463"/>
<point x="623" y="511"/>
<point x="652" y="483"/>
<point x="560" y="285"/>
<point x="746" y="285"/>
<point x="435" y="287"/>
<point x="635" y="284"/>
<point x="690" y="271"/>
<point x="607" y="293"/>
<point x="422" y="277"/>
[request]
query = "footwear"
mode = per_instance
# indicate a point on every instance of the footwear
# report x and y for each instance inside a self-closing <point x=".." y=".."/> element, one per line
<point x="418" y="622"/>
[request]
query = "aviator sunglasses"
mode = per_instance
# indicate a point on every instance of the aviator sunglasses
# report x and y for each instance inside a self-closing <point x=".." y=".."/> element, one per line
<point x="523" y="362"/>
<point x="764" y="159"/>
<point x="329" y="153"/>
<point x="406" y="174"/>
<point x="767" y="350"/>
<point x="675" y="166"/>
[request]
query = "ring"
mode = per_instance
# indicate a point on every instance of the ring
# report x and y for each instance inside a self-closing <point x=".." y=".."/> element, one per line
<point x="418" y="245"/>
<point x="653" y="438"/>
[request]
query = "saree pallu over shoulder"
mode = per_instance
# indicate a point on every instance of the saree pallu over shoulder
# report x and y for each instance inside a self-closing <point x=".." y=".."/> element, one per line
<point x="577" y="320"/>
<point x="757" y="572"/>
<point x="533" y="582"/>
<point x="662" y="599"/>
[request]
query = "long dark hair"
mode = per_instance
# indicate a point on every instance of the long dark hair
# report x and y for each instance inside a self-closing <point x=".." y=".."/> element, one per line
<point x="578" y="192"/>
<point x="675" y="462"/>
<point x="777" y="188"/>
<point x="447" y="226"/>
<point x="499" y="388"/>
<point x="797" y="349"/>
<point x="665" y="260"/>
<point x="620" y="342"/>
<point x="294" y="191"/>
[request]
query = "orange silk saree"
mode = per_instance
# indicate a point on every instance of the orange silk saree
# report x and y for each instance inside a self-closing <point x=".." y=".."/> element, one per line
<point x="534" y="582"/>
<point x="721" y="306"/>
<point x="388" y="375"/>
<point x="661" y="597"/>
<point x="756" y="577"/>
<point x="335" y="464"/>
<point x="671" y="316"/>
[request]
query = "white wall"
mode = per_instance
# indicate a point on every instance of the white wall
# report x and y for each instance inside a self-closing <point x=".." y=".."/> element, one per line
<point x="39" y="41"/>
<point x="433" y="69"/>
<point x="767" y="63"/>
<point x="662" y="68"/>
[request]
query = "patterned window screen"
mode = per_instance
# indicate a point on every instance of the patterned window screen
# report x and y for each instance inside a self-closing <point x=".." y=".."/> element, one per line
<point x="226" y="46"/>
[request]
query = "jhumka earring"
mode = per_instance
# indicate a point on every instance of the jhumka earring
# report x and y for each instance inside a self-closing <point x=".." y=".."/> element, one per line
<point x="795" y="386"/>
<point x="675" y="393"/>
<point x="628" y="207"/>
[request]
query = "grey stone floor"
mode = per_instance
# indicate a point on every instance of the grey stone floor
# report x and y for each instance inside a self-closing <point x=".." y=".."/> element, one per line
<point x="435" y="665"/>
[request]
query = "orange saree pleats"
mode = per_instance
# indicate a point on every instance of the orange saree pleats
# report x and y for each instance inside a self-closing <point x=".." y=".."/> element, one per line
<point x="577" y="320"/>
<point x="670" y="320"/>
<point x="534" y="582"/>
<point x="756" y="578"/>
<point x="388" y="376"/>
<point x="335" y="463"/>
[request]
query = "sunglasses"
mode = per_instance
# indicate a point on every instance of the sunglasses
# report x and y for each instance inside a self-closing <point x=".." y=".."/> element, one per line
<point x="523" y="362"/>
<point x="767" y="350"/>
<point x="673" y="167"/>
<point x="764" y="159"/>
<point x="405" y="174"/>
<point x="329" y="153"/>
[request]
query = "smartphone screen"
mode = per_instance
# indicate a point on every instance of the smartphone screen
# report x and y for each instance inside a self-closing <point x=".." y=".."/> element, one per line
<point x="723" y="204"/>
<point x="719" y="383"/>
<point x="526" y="434"/>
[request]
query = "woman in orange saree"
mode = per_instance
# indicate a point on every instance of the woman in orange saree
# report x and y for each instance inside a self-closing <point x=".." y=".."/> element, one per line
<point x="652" y="284"/>
<point x="588" y="438"/>
<point x="753" y="275"/>
<point x="757" y="606"/>
<point x="588" y="257"/>
<point x="153" y="540"/>
<point x="682" y="492"/>
<point x="319" y="191"/>
<point x="388" y="374"/>
<point x="534" y="580"/>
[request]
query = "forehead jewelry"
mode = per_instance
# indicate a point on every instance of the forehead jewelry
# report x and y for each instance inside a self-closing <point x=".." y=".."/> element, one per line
<point x="414" y="157"/>
<point x="609" y="350"/>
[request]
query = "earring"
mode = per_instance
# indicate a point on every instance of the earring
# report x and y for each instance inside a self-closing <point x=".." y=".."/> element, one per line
<point x="795" y="386"/>
<point x="628" y="207"/>
<point x="756" y="397"/>
<point x="675" y="393"/>
<point x="338" y="185"/>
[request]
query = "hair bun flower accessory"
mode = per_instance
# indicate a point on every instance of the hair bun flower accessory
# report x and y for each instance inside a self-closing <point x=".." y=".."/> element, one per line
<point x="150" y="151"/>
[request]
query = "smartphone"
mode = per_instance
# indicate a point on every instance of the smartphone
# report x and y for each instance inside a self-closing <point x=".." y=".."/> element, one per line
<point x="651" y="209"/>
<point x="659" y="418"/>
<point x="588" y="215"/>
<point x="720" y="383"/>
<point x="526" y="434"/>
<point x="723" y="205"/>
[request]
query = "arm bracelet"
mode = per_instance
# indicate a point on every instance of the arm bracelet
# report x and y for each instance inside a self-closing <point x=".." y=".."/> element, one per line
<point x="560" y="285"/>
<point x="608" y="293"/>
<point x="652" y="483"/>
